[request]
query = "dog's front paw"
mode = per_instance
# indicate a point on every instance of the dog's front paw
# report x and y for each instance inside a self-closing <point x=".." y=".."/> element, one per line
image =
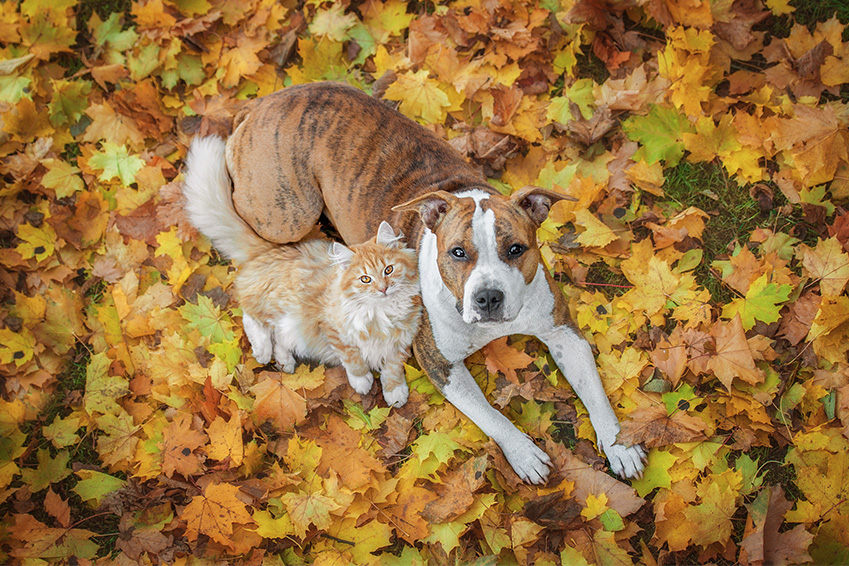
<point x="397" y="396"/>
<point x="625" y="461"/>
<point x="528" y="461"/>
<point x="361" y="383"/>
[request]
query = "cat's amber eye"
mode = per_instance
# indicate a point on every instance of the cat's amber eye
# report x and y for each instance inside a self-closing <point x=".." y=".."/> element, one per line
<point x="388" y="270"/>
<point x="365" y="279"/>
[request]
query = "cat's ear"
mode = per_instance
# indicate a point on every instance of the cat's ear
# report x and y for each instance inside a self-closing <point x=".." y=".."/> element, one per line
<point x="432" y="207"/>
<point x="386" y="236"/>
<point x="339" y="254"/>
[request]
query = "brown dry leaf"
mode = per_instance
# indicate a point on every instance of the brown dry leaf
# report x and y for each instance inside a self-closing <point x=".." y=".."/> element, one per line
<point x="652" y="427"/>
<point x="733" y="357"/>
<point x="588" y="481"/>
<point x="456" y="493"/>
<point x="277" y="403"/>
<point x="764" y="541"/>
<point x="796" y="324"/>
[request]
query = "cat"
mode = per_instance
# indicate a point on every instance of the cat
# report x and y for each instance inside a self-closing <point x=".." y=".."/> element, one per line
<point x="358" y="307"/>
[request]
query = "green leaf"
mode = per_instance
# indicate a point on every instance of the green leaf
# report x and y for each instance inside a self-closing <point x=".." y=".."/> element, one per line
<point x="102" y="390"/>
<point x="110" y="32"/>
<point x="611" y="520"/>
<point x="62" y="432"/>
<point x="660" y="135"/>
<point x="48" y="470"/>
<point x="682" y="399"/>
<point x="208" y="319"/>
<point x="763" y="301"/>
<point x="14" y="88"/>
<point x="115" y="161"/>
<point x="656" y="472"/>
<point x="580" y="94"/>
<point x="69" y="102"/>
<point x="94" y="486"/>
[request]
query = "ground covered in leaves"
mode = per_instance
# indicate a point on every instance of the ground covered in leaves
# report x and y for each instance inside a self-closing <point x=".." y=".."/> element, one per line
<point x="706" y="259"/>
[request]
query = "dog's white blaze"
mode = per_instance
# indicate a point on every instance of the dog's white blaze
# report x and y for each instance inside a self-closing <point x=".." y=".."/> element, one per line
<point x="490" y="272"/>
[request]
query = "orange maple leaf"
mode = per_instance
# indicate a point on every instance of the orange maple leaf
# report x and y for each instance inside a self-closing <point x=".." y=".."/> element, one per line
<point x="214" y="513"/>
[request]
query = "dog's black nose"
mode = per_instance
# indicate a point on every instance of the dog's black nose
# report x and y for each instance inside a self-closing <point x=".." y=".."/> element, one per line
<point x="489" y="300"/>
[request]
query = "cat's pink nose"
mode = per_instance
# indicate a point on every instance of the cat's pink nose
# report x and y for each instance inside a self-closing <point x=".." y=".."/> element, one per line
<point x="384" y="290"/>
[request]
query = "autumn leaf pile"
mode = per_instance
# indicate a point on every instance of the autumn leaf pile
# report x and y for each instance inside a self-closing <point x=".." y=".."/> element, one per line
<point x="135" y="427"/>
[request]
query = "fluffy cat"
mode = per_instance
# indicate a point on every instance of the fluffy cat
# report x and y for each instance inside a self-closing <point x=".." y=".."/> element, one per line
<point x="358" y="307"/>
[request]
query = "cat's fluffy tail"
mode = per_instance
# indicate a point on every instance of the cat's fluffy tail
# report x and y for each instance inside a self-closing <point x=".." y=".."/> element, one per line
<point x="207" y="190"/>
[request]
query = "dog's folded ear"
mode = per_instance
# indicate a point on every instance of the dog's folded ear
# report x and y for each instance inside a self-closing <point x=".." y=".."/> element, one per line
<point x="432" y="207"/>
<point x="537" y="201"/>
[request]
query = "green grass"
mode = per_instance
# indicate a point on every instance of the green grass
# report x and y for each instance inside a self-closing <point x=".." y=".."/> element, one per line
<point x="734" y="214"/>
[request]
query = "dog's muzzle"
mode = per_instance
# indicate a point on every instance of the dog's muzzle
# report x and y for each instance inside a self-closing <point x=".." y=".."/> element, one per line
<point x="489" y="305"/>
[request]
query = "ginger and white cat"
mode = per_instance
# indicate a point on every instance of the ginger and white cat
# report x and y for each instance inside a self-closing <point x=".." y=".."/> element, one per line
<point x="358" y="307"/>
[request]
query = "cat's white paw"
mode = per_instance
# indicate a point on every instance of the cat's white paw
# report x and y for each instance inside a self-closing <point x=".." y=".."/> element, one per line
<point x="286" y="366"/>
<point x="361" y="383"/>
<point x="528" y="461"/>
<point x="259" y="336"/>
<point x="262" y="348"/>
<point x="625" y="461"/>
<point x="397" y="396"/>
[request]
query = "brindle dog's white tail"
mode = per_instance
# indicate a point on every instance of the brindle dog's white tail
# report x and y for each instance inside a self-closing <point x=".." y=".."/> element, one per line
<point x="207" y="190"/>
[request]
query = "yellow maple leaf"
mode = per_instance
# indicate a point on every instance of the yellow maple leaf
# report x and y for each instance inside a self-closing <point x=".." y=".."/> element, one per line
<point x="421" y="97"/>
<point x="39" y="243"/>
<point x="595" y="506"/>
<point x="241" y="60"/>
<point x="596" y="233"/>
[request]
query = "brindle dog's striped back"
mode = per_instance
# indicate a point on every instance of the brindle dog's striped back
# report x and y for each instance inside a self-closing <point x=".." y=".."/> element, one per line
<point x="327" y="144"/>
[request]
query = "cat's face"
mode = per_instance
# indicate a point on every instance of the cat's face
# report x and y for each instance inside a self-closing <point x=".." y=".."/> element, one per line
<point x="379" y="272"/>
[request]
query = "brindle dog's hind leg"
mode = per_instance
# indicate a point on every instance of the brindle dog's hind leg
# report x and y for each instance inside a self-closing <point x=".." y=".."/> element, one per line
<point x="274" y="187"/>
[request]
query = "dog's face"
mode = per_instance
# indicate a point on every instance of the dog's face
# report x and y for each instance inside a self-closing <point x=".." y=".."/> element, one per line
<point x="486" y="248"/>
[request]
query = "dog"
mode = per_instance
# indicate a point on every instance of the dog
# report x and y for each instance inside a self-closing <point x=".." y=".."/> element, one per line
<point x="330" y="148"/>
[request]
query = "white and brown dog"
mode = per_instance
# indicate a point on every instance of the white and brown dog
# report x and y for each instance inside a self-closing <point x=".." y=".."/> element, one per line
<point x="327" y="147"/>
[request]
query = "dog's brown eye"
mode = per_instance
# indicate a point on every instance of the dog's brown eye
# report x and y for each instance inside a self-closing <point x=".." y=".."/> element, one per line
<point x="516" y="250"/>
<point x="365" y="279"/>
<point x="388" y="270"/>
